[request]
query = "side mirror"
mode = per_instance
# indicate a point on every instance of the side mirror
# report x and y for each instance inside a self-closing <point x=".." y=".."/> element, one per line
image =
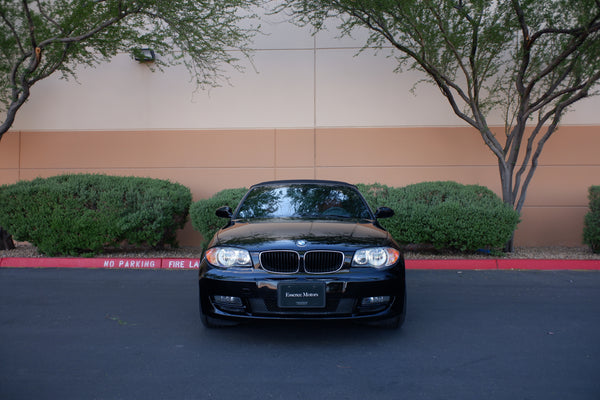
<point x="224" y="212"/>
<point x="384" y="212"/>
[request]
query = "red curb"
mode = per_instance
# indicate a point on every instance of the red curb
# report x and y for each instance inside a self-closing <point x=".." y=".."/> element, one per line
<point x="549" y="265"/>
<point x="194" y="263"/>
<point x="505" y="264"/>
<point x="109" y="263"/>
<point x="452" y="264"/>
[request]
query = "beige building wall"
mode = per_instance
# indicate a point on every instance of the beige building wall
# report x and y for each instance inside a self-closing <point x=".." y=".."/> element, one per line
<point x="306" y="107"/>
<point x="207" y="161"/>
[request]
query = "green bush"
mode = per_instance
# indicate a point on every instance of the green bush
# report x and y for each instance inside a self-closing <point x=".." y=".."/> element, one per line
<point x="446" y="215"/>
<point x="591" y="229"/>
<point x="83" y="214"/>
<point x="202" y="212"/>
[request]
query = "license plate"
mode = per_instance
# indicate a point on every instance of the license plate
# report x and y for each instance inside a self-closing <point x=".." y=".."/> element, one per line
<point x="301" y="295"/>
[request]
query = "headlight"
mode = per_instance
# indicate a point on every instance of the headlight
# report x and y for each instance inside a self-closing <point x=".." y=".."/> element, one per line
<point x="227" y="257"/>
<point x="376" y="257"/>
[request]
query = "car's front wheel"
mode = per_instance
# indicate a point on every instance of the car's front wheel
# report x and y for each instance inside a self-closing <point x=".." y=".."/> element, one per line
<point x="388" y="323"/>
<point x="393" y="322"/>
<point x="211" y="322"/>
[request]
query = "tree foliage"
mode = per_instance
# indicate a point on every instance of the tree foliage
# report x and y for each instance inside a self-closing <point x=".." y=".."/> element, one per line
<point x="528" y="60"/>
<point x="41" y="37"/>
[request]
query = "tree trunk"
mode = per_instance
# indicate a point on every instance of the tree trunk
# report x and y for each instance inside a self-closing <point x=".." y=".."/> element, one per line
<point x="6" y="241"/>
<point x="506" y="173"/>
<point x="509" y="247"/>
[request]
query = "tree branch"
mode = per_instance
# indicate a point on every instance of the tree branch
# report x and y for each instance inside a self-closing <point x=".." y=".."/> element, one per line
<point x="556" y="114"/>
<point x="47" y="17"/>
<point x="579" y="36"/>
<point x="13" y="30"/>
<point x="30" y="24"/>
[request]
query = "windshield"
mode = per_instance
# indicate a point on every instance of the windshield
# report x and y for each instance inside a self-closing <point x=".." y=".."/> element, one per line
<point x="304" y="201"/>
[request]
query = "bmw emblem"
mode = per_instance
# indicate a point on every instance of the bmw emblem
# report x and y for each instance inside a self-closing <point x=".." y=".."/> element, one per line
<point x="300" y="243"/>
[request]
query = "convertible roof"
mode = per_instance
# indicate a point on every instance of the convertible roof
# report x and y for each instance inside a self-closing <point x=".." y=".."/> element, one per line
<point x="303" y="182"/>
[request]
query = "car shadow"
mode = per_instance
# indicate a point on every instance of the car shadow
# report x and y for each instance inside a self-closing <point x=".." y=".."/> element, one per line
<point x="304" y="333"/>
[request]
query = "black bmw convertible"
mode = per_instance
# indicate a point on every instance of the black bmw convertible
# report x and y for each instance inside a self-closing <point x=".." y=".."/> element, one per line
<point x="302" y="250"/>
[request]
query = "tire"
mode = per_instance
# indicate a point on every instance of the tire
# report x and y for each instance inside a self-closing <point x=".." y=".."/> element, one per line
<point x="388" y="323"/>
<point x="393" y="322"/>
<point x="211" y="322"/>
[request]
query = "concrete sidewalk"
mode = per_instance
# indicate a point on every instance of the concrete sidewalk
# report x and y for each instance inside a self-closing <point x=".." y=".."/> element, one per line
<point x="193" y="263"/>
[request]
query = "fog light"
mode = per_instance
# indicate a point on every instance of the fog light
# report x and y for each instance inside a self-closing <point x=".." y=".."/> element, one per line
<point x="375" y="301"/>
<point x="228" y="300"/>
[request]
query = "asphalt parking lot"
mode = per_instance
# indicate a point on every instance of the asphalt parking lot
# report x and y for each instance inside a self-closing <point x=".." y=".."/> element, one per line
<point x="124" y="334"/>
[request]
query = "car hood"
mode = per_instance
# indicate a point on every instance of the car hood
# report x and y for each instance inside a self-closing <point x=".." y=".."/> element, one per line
<point x="288" y="234"/>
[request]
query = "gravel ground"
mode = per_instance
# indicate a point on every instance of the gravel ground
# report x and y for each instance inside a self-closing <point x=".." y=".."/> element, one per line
<point x="562" y="253"/>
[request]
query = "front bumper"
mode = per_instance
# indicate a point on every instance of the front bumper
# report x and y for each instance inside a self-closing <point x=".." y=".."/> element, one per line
<point x="358" y="293"/>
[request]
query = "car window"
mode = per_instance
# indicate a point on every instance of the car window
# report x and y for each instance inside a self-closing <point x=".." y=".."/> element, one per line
<point x="304" y="201"/>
